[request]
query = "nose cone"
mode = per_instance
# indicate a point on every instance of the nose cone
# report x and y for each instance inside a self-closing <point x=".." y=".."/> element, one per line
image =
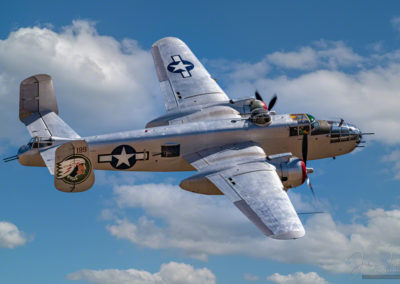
<point x="342" y="131"/>
<point x="354" y="131"/>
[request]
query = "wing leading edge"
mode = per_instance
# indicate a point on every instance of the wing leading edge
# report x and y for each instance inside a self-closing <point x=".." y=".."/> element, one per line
<point x="254" y="187"/>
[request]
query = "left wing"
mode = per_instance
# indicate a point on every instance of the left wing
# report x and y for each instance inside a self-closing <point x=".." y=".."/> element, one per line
<point x="183" y="79"/>
<point x="243" y="175"/>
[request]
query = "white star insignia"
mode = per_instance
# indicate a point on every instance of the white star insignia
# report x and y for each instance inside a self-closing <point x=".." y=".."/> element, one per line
<point x="180" y="66"/>
<point x="123" y="158"/>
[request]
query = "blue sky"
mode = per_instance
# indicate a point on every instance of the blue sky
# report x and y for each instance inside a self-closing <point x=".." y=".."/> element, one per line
<point x="332" y="59"/>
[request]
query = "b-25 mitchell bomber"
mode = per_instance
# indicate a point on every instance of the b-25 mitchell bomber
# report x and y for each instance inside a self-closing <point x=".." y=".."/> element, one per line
<point x="239" y="148"/>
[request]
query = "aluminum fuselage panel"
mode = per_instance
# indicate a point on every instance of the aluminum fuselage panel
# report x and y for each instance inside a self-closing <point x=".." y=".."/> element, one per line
<point x="197" y="136"/>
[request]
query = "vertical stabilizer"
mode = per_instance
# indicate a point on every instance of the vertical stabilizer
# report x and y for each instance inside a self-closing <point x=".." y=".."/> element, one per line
<point x="38" y="109"/>
<point x="73" y="170"/>
<point x="36" y="95"/>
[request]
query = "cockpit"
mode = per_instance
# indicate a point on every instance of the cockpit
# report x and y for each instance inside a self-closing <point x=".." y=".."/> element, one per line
<point x="36" y="143"/>
<point x="338" y="131"/>
<point x="39" y="142"/>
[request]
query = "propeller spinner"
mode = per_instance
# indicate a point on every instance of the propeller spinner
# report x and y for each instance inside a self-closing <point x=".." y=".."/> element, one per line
<point x="271" y="102"/>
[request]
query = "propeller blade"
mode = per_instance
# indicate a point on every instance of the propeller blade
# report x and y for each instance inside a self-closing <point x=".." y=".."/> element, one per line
<point x="272" y="102"/>
<point x="305" y="148"/>
<point x="311" y="188"/>
<point x="258" y="96"/>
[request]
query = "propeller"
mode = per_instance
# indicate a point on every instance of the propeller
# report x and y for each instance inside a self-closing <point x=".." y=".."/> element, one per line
<point x="258" y="96"/>
<point x="304" y="149"/>
<point x="271" y="102"/>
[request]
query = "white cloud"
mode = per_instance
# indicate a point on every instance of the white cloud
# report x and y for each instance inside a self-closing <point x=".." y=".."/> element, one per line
<point x="200" y="226"/>
<point x="170" y="273"/>
<point x="104" y="85"/>
<point x="368" y="98"/>
<point x="11" y="236"/>
<point x="325" y="54"/>
<point x="250" y="277"/>
<point x="297" y="278"/>
<point x="327" y="79"/>
<point x="305" y="58"/>
<point x="101" y="84"/>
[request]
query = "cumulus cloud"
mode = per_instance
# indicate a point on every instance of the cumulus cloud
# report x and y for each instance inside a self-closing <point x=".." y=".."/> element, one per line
<point x="199" y="226"/>
<point x="297" y="278"/>
<point x="170" y="273"/>
<point x="11" y="236"/>
<point x="101" y="84"/>
<point x="327" y="79"/>
<point x="323" y="54"/>
<point x="365" y="96"/>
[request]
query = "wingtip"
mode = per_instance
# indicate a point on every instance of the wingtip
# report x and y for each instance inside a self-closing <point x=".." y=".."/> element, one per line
<point x="37" y="77"/>
<point x="168" y="40"/>
<point x="289" y="235"/>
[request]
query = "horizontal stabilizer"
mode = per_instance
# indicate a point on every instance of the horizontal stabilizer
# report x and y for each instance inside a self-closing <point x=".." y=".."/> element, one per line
<point x="73" y="171"/>
<point x="49" y="124"/>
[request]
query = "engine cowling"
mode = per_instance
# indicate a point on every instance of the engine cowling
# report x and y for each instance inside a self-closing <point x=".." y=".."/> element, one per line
<point x="291" y="170"/>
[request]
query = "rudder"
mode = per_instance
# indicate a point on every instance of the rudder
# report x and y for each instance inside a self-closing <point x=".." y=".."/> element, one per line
<point x="38" y="109"/>
<point x="36" y="95"/>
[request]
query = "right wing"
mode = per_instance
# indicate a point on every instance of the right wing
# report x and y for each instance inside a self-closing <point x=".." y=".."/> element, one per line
<point x="252" y="184"/>
<point x="183" y="79"/>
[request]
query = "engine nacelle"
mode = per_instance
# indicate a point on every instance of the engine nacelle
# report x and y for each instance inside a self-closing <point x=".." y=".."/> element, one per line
<point x="291" y="170"/>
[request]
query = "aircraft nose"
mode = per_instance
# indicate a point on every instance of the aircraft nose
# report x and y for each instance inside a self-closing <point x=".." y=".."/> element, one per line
<point x="342" y="130"/>
<point x="353" y="131"/>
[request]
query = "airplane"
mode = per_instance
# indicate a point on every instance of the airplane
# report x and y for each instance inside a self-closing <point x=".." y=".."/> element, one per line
<point x="239" y="148"/>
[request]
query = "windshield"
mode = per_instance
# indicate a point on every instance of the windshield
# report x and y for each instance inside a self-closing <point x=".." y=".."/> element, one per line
<point x="320" y="127"/>
<point x="39" y="142"/>
<point x="310" y="117"/>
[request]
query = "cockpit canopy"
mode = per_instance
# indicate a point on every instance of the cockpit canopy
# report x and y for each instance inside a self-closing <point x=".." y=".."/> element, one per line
<point x="39" y="142"/>
<point x="337" y="130"/>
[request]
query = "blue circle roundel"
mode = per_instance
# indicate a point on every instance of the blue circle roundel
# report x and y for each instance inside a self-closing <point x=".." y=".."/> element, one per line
<point x="178" y="65"/>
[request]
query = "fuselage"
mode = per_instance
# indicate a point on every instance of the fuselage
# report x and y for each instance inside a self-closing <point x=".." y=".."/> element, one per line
<point x="163" y="148"/>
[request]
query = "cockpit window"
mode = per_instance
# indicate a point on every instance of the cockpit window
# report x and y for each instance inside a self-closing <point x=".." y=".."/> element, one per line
<point x="39" y="142"/>
<point x="310" y="117"/>
<point x="320" y="127"/>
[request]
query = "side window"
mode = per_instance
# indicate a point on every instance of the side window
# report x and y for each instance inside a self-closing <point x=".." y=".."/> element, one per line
<point x="294" y="131"/>
<point x="170" y="150"/>
<point x="304" y="129"/>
